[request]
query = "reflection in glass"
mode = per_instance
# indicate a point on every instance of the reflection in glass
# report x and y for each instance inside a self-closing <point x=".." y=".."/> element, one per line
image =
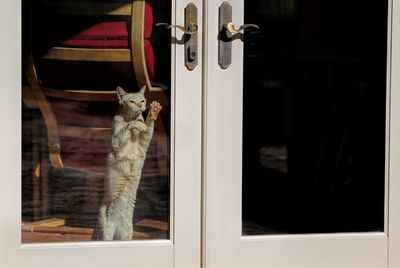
<point x="69" y="101"/>
<point x="314" y="116"/>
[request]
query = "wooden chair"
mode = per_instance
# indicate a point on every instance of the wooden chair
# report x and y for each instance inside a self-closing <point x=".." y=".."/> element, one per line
<point x="36" y="95"/>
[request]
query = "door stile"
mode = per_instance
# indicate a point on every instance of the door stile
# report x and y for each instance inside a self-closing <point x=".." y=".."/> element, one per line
<point x="394" y="153"/>
<point x="10" y="114"/>
<point x="187" y="101"/>
<point x="222" y="144"/>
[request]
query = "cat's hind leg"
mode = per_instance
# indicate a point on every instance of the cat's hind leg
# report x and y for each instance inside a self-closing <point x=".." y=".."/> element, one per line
<point x="124" y="231"/>
<point x="107" y="225"/>
<point x="124" y="228"/>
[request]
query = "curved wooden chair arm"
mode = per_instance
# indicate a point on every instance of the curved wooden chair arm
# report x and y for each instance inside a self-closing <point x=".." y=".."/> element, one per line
<point x="47" y="113"/>
<point x="137" y="44"/>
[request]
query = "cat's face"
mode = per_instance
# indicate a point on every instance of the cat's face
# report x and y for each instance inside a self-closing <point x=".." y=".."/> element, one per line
<point x="134" y="102"/>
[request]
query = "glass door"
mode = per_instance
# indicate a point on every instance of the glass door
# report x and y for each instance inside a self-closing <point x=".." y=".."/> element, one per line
<point x="107" y="171"/>
<point x="299" y="139"/>
<point x="291" y="120"/>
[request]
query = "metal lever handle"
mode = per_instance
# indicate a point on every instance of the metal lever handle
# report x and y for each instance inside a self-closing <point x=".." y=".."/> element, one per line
<point x="227" y="33"/>
<point x="191" y="29"/>
<point x="190" y="37"/>
<point x="230" y="27"/>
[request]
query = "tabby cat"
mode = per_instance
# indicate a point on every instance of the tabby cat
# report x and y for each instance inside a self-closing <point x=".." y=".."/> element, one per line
<point x="131" y="136"/>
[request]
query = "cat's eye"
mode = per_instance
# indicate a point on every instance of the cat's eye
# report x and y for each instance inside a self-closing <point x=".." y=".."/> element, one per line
<point x="131" y="101"/>
<point x="142" y="101"/>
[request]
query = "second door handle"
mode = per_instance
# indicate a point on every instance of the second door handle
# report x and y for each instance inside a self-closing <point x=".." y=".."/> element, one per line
<point x="230" y="27"/>
<point x="226" y="31"/>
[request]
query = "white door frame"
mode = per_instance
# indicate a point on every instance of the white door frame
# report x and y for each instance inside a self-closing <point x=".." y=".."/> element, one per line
<point x="183" y="249"/>
<point x="186" y="224"/>
<point x="222" y="128"/>
<point x="394" y="175"/>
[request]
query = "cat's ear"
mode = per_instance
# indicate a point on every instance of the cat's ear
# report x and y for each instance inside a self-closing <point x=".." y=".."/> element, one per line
<point x="121" y="93"/>
<point x="142" y="91"/>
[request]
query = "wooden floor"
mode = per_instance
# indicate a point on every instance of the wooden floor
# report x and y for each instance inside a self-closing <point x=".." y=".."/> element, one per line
<point x="55" y="230"/>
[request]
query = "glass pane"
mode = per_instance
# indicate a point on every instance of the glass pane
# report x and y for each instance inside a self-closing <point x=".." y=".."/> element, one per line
<point x="314" y="116"/>
<point x="83" y="176"/>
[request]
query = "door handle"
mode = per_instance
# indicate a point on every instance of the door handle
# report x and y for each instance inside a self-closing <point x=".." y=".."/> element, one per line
<point x="190" y="36"/>
<point x="230" y="27"/>
<point x="226" y="31"/>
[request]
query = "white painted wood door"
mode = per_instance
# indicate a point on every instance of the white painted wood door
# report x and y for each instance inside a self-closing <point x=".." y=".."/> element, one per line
<point x="182" y="249"/>
<point x="224" y="245"/>
<point x="227" y="115"/>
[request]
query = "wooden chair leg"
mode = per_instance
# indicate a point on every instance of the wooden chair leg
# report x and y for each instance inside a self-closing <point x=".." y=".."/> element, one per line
<point x="44" y="179"/>
<point x="162" y="147"/>
<point x="36" y="169"/>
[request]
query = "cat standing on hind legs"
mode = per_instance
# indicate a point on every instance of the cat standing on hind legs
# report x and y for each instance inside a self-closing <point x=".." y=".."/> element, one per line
<point x="131" y="136"/>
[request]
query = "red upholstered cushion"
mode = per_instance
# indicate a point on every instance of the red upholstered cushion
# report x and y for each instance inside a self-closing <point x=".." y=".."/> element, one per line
<point x="115" y="35"/>
<point x="84" y="154"/>
<point x="148" y="20"/>
<point x="84" y="113"/>
<point x="104" y="31"/>
<point x="118" y="43"/>
<point x="101" y="35"/>
<point x="150" y="61"/>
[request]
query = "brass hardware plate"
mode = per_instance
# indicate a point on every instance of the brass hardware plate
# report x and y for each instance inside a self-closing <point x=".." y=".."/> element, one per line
<point x="191" y="40"/>
<point x="224" y="37"/>
<point x="228" y="33"/>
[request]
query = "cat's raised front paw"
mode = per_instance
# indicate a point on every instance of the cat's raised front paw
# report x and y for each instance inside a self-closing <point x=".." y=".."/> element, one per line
<point x="155" y="108"/>
<point x="138" y="125"/>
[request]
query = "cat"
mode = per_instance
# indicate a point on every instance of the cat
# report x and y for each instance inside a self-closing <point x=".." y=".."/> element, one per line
<point x="131" y="136"/>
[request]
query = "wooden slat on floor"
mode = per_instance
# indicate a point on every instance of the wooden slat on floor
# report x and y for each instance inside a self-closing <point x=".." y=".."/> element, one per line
<point x="35" y="237"/>
<point x="160" y="225"/>
<point x="39" y="237"/>
<point x="53" y="222"/>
